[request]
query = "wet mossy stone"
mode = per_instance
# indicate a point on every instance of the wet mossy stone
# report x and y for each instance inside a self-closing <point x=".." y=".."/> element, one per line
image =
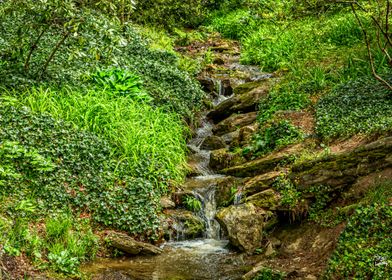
<point x="130" y="246"/>
<point x="246" y="87"/>
<point x="234" y="122"/>
<point x="239" y="104"/>
<point x="213" y="143"/>
<point x="340" y="170"/>
<point x="223" y="158"/>
<point x="244" y="225"/>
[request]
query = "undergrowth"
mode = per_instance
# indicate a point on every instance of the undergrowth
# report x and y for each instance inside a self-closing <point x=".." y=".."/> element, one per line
<point x="148" y="140"/>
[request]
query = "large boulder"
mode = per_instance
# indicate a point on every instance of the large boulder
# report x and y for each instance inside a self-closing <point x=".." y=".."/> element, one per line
<point x="244" y="225"/>
<point x="234" y="122"/>
<point x="238" y="104"/>
<point x="340" y="170"/>
<point x="223" y="158"/>
<point x="130" y="246"/>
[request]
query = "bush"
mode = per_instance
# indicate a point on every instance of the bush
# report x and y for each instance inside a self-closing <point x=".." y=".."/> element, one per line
<point x="149" y="141"/>
<point x="272" y="136"/>
<point x="59" y="166"/>
<point x="98" y="42"/>
<point x="360" y="106"/>
<point x="364" y="250"/>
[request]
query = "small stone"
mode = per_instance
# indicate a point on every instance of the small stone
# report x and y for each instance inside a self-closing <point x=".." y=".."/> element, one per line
<point x="167" y="203"/>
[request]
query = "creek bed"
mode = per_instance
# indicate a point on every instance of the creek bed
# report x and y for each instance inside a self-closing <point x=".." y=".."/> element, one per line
<point x="194" y="259"/>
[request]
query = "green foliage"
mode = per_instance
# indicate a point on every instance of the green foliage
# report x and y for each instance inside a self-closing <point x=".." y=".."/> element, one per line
<point x="174" y="13"/>
<point x="282" y="98"/>
<point x="192" y="203"/>
<point x="62" y="246"/>
<point x="273" y="135"/>
<point x="149" y="141"/>
<point x="290" y="196"/>
<point x="364" y="250"/>
<point x="65" y="55"/>
<point x="86" y="176"/>
<point x="120" y="82"/>
<point x="234" y="25"/>
<point x="269" y="274"/>
<point x="361" y="106"/>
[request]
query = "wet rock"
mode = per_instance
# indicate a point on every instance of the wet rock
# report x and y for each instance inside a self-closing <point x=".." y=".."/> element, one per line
<point x="268" y="199"/>
<point x="246" y="87"/>
<point x="246" y="133"/>
<point x="340" y="170"/>
<point x="181" y="224"/>
<point x="226" y="89"/>
<point x="243" y="103"/>
<point x="223" y="158"/>
<point x="167" y="203"/>
<point x="244" y="225"/>
<point x="207" y="84"/>
<point x="262" y="165"/>
<point x="224" y="190"/>
<point x="231" y="138"/>
<point x="218" y="61"/>
<point x="221" y="48"/>
<point x="130" y="246"/>
<point x="213" y="143"/>
<point x="260" y="182"/>
<point x="234" y="122"/>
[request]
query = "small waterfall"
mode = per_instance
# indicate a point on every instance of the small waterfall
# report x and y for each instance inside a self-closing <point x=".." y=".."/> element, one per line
<point x="208" y="212"/>
<point x="237" y="197"/>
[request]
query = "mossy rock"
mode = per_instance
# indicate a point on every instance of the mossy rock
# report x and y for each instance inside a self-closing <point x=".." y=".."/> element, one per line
<point x="223" y="158"/>
<point x="234" y="122"/>
<point x="246" y="87"/>
<point x="340" y="170"/>
<point x="268" y="199"/>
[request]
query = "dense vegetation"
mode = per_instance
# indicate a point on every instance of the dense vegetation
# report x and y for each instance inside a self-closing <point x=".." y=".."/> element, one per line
<point x="95" y="106"/>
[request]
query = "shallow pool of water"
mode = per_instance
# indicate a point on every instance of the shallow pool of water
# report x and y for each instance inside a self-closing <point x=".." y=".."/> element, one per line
<point x="195" y="259"/>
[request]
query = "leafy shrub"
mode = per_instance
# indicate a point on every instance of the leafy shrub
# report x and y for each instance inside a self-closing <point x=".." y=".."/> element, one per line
<point x="62" y="246"/>
<point x="150" y="141"/>
<point x="364" y="250"/>
<point x="272" y="136"/>
<point x="120" y="82"/>
<point x="361" y="106"/>
<point x="192" y="203"/>
<point x="84" y="171"/>
<point x="97" y="42"/>
<point x="234" y="25"/>
<point x="269" y="274"/>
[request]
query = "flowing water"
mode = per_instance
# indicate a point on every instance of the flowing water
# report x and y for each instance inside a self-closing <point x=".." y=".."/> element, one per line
<point x="206" y="258"/>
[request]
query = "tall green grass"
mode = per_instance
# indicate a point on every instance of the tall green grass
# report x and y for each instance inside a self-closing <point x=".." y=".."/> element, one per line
<point x="148" y="139"/>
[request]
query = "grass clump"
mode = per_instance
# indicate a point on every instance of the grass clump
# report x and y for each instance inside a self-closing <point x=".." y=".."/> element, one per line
<point x="360" y="106"/>
<point x="148" y="140"/>
<point x="59" y="243"/>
